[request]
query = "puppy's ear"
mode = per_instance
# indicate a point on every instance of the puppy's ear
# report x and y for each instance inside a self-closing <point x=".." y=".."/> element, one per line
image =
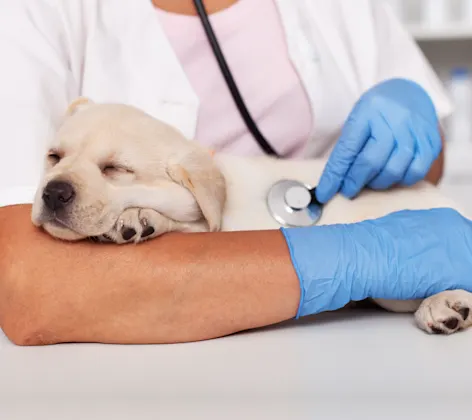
<point x="78" y="105"/>
<point x="199" y="174"/>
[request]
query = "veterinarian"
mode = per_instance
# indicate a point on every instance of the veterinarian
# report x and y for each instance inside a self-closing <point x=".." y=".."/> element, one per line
<point x="322" y="78"/>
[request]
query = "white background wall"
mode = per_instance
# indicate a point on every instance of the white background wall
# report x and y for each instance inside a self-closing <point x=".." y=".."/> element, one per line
<point x="445" y="46"/>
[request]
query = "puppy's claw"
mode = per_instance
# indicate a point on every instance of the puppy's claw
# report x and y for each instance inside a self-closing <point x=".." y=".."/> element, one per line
<point x="436" y="330"/>
<point x="147" y="232"/>
<point x="451" y="323"/>
<point x="128" y="233"/>
<point x="464" y="312"/>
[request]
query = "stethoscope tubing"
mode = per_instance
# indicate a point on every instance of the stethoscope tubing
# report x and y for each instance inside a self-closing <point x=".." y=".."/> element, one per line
<point x="245" y="114"/>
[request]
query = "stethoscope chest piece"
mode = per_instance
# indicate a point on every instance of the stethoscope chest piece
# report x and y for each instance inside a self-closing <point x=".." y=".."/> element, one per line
<point x="293" y="204"/>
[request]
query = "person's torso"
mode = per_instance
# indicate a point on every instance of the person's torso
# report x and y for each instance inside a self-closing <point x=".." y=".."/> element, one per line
<point x="299" y="98"/>
<point x="251" y="37"/>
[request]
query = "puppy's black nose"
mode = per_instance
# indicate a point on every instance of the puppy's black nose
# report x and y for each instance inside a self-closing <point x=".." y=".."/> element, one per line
<point x="58" y="194"/>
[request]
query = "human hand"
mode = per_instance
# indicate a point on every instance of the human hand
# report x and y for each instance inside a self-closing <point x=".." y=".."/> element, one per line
<point x="405" y="255"/>
<point x="392" y="136"/>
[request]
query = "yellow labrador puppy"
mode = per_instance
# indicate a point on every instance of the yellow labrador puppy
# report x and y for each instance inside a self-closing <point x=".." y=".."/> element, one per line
<point x="117" y="174"/>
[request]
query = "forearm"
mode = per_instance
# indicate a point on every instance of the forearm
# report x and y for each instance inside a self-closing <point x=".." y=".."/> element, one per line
<point x="181" y="287"/>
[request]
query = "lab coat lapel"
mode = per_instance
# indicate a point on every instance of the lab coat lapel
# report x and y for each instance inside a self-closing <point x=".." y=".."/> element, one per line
<point x="141" y="69"/>
<point x="362" y="42"/>
<point x="331" y="32"/>
<point x="316" y="45"/>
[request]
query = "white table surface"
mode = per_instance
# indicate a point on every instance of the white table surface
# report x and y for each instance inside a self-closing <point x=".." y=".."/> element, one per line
<point x="353" y="365"/>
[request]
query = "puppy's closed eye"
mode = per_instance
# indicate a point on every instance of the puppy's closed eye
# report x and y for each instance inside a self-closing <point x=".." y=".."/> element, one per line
<point x="112" y="170"/>
<point x="54" y="157"/>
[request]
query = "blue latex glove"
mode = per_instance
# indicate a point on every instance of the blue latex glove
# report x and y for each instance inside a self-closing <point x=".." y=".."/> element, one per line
<point x="391" y="137"/>
<point x="402" y="256"/>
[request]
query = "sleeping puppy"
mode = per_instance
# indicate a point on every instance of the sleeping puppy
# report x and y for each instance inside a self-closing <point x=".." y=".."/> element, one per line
<point x="116" y="174"/>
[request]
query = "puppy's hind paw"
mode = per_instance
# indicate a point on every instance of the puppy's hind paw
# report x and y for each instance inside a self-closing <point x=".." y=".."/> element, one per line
<point x="445" y="313"/>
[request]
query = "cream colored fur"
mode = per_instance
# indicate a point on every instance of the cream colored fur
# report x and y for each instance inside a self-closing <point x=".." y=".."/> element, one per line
<point x="131" y="172"/>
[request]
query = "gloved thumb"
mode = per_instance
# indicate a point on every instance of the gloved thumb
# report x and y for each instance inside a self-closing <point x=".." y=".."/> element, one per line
<point x="355" y="133"/>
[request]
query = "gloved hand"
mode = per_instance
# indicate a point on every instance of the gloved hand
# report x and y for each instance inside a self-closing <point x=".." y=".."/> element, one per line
<point x="391" y="137"/>
<point x="402" y="256"/>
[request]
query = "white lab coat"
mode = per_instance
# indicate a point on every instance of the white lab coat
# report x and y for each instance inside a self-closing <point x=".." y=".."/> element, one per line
<point x="115" y="50"/>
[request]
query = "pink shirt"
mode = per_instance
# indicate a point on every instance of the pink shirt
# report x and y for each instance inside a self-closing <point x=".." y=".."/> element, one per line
<point x="252" y="39"/>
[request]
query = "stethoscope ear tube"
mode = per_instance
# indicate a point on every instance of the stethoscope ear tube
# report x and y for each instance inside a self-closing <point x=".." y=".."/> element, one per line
<point x="251" y="125"/>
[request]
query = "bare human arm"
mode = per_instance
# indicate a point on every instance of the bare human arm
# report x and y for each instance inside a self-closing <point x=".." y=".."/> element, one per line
<point x="179" y="288"/>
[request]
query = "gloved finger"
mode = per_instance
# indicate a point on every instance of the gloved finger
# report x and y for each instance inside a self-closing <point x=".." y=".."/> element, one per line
<point x="422" y="161"/>
<point x="354" y="135"/>
<point x="395" y="169"/>
<point x="371" y="160"/>
<point x="399" y="161"/>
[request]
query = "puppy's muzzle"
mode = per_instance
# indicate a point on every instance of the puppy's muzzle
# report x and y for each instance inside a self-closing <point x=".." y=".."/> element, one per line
<point x="57" y="195"/>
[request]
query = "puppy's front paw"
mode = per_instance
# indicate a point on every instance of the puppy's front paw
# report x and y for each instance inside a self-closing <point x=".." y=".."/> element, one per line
<point x="445" y="313"/>
<point x="138" y="225"/>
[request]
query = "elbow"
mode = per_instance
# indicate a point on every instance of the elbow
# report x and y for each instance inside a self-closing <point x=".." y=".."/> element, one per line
<point x="28" y="334"/>
<point x="25" y="326"/>
<point x="28" y="307"/>
<point x="20" y="337"/>
<point x="28" y="337"/>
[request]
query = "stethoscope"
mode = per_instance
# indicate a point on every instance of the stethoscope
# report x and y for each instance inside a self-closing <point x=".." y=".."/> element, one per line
<point x="290" y="202"/>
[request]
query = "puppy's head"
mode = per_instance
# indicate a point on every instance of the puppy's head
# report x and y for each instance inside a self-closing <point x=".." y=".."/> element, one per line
<point x="106" y="158"/>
